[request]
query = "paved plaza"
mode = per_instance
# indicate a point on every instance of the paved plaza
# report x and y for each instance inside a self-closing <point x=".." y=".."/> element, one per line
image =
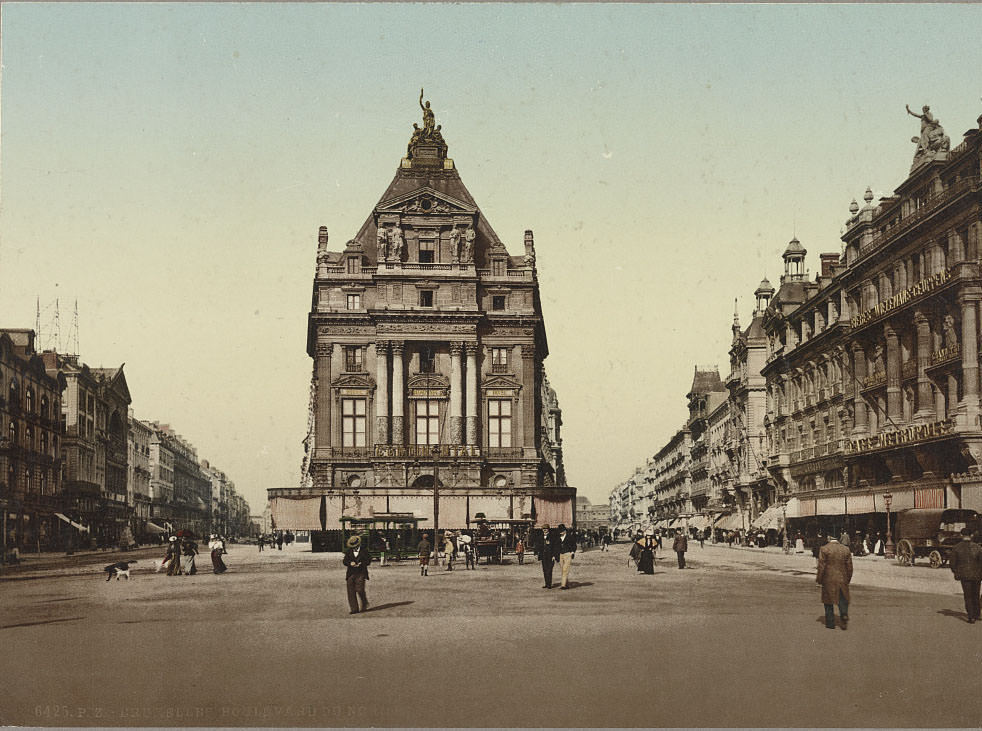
<point x="735" y="640"/>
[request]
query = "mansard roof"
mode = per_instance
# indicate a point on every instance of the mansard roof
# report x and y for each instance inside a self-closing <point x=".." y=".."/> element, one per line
<point x="706" y="381"/>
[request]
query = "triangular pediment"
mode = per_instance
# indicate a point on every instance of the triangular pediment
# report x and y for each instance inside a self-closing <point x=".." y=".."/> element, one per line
<point x="429" y="380"/>
<point x="353" y="380"/>
<point x="501" y="382"/>
<point x="426" y="200"/>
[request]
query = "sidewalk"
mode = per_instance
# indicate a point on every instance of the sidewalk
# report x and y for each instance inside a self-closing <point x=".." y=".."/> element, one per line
<point x="867" y="570"/>
<point x="49" y="563"/>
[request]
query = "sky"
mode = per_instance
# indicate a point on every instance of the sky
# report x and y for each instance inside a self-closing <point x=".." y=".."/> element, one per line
<point x="167" y="166"/>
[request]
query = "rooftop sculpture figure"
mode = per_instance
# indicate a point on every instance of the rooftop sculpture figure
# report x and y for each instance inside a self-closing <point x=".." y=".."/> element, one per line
<point x="932" y="138"/>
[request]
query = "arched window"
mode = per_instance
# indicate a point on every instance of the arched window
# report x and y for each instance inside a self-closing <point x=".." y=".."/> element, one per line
<point x="44" y="406"/>
<point x="44" y="442"/>
<point x="12" y="433"/>
<point x="14" y="393"/>
<point x="29" y="437"/>
<point x="29" y="399"/>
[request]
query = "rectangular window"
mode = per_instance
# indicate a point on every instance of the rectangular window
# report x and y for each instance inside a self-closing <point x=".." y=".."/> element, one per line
<point x="352" y="265"/>
<point x="353" y="359"/>
<point x="498" y="302"/>
<point x="498" y="268"/>
<point x="426" y="253"/>
<point x="499" y="360"/>
<point x="427" y="360"/>
<point x="353" y="422"/>
<point x="426" y="298"/>
<point x="354" y="301"/>
<point x="427" y="422"/>
<point x="499" y="423"/>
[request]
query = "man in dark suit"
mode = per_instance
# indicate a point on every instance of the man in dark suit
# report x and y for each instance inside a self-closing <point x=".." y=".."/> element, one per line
<point x="834" y="574"/>
<point x="680" y="545"/>
<point x="966" y="564"/>
<point x="567" y="548"/>
<point x="356" y="558"/>
<point x="548" y="550"/>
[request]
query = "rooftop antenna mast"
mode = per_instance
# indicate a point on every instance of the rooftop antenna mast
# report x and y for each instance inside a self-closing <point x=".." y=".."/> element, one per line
<point x="50" y="324"/>
<point x="72" y="344"/>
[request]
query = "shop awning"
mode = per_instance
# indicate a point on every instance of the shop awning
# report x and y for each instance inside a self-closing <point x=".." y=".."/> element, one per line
<point x="72" y="522"/>
<point x="733" y="521"/>
<point x="770" y="519"/>
<point x="154" y="528"/>
<point x="699" y="522"/>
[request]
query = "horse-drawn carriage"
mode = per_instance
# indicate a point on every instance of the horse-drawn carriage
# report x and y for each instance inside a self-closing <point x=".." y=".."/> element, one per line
<point x="394" y="534"/>
<point x="495" y="537"/>
<point x="930" y="533"/>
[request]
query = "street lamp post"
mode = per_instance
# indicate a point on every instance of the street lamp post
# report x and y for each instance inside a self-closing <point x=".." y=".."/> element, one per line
<point x="784" y="517"/>
<point x="888" y="551"/>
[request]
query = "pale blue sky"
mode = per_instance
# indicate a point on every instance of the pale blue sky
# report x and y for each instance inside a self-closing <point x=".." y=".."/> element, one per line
<point x="168" y="166"/>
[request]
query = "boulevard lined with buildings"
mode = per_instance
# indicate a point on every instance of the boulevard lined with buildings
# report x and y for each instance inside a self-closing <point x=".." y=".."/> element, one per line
<point x="78" y="469"/>
<point x="849" y="394"/>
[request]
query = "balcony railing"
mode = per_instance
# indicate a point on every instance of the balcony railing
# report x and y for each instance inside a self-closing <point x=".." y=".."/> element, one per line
<point x="499" y="367"/>
<point x="945" y="354"/>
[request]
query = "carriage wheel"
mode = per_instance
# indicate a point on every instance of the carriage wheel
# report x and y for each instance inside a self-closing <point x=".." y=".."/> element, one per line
<point x="936" y="559"/>
<point x="905" y="553"/>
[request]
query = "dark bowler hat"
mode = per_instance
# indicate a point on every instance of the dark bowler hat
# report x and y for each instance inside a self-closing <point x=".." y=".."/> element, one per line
<point x="562" y="527"/>
<point x="354" y="541"/>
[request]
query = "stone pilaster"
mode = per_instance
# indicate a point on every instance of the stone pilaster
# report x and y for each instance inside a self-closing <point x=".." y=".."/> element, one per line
<point x="471" y="405"/>
<point x="859" y="423"/>
<point x="322" y="413"/>
<point x="529" y="426"/>
<point x="895" y="402"/>
<point x="398" y="394"/>
<point x="456" y="393"/>
<point x="925" y="401"/>
<point x="382" y="399"/>
<point x="969" y="406"/>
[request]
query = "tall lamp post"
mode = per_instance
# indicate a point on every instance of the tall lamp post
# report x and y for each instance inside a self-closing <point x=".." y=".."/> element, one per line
<point x="784" y="516"/>
<point x="888" y="551"/>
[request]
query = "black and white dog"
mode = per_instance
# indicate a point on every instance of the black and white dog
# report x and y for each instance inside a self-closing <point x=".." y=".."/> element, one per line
<point x="122" y="568"/>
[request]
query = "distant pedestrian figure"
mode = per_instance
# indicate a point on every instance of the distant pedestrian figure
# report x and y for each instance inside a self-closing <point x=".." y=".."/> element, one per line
<point x="189" y="549"/>
<point x="520" y="551"/>
<point x="469" y="562"/>
<point x="448" y="550"/>
<point x="634" y="555"/>
<point x="357" y="560"/>
<point x="646" y="561"/>
<point x="424" y="548"/>
<point x="799" y="544"/>
<point x="680" y="546"/>
<point x="833" y="575"/>
<point x="217" y="546"/>
<point x="878" y="548"/>
<point x="548" y="551"/>
<point x="965" y="560"/>
<point x="261" y="542"/>
<point x="173" y="557"/>
<point x="567" y="549"/>
<point x="279" y="541"/>
<point x="605" y="542"/>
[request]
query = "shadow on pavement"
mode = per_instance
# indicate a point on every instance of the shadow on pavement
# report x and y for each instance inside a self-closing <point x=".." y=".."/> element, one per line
<point x="44" y="621"/>
<point x="952" y="613"/>
<point x="379" y="607"/>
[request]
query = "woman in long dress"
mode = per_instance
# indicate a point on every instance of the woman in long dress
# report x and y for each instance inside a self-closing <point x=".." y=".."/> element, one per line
<point x="173" y="557"/>
<point x="189" y="549"/>
<point x="217" y="546"/>
<point x="646" y="562"/>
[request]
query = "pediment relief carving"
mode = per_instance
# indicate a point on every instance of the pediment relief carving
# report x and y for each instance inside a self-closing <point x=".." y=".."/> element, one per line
<point x="501" y="381"/>
<point x="428" y="380"/>
<point x="353" y="380"/>
<point x="425" y="201"/>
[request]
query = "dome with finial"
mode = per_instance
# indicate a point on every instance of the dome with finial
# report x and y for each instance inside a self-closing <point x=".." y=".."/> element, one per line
<point x="795" y="247"/>
<point x="854" y="207"/>
<point x="764" y="288"/>
<point x="868" y="196"/>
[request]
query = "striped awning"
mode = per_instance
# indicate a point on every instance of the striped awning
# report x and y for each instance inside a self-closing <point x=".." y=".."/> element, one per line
<point x="929" y="497"/>
<point x="859" y="504"/>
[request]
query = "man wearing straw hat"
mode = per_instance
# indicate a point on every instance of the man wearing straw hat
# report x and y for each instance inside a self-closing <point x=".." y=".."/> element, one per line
<point x="356" y="558"/>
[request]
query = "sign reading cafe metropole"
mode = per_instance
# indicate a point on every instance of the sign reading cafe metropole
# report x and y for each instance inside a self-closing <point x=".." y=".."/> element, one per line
<point x="924" y="286"/>
<point x="899" y="437"/>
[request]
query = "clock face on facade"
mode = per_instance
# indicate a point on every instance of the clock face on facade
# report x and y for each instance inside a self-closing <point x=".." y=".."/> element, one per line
<point x="426" y="204"/>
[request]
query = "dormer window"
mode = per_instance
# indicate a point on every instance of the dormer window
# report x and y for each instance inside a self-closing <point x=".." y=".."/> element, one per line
<point x="498" y="268"/>
<point x="353" y="264"/>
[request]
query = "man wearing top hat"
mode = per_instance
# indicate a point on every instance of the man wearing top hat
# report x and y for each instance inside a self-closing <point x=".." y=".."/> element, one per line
<point x="548" y="550"/>
<point x="356" y="558"/>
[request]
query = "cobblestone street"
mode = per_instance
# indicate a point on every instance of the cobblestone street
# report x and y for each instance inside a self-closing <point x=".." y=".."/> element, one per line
<point x="736" y="640"/>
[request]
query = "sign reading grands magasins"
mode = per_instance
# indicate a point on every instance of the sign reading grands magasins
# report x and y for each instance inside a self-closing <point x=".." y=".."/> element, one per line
<point x="924" y="286"/>
<point x="916" y="433"/>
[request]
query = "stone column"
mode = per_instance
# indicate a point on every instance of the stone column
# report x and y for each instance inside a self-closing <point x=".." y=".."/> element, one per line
<point x="529" y="426"/>
<point x="456" y="392"/>
<point x="925" y="401"/>
<point x="937" y="340"/>
<point x="398" y="394"/>
<point x="895" y="401"/>
<point x="970" y="355"/>
<point x="382" y="399"/>
<point x="322" y="412"/>
<point x="859" y="423"/>
<point x="471" y="405"/>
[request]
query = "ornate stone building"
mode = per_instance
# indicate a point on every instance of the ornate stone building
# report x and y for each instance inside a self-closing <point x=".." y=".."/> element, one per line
<point x="30" y="458"/>
<point x="428" y="346"/>
<point x="873" y="368"/>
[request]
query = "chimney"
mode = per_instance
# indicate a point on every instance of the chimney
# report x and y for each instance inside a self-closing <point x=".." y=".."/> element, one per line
<point x="828" y="261"/>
